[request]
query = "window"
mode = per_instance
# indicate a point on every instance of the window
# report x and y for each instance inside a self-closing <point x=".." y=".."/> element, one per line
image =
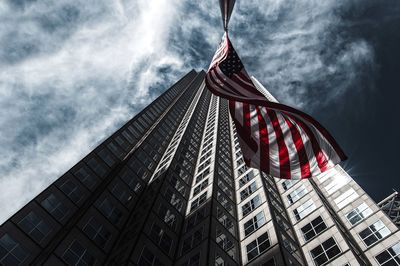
<point x="289" y="183"/>
<point x="133" y="182"/>
<point x="314" y="228"/>
<point x="193" y="261"/>
<point x="225" y="220"/>
<point x="147" y="258"/>
<point x="251" y="205"/>
<point x="198" y="201"/>
<point x="390" y="257"/>
<point x="159" y="235"/>
<point x="200" y="187"/>
<point x="304" y="209"/>
<point x="192" y="240"/>
<point x="325" y="252"/>
<point x="72" y="191"/>
<point x="202" y="175"/>
<point x="373" y="233"/>
<point x="35" y="227"/>
<point x="167" y="216"/>
<point x="121" y="192"/>
<point x="174" y="199"/>
<point x="86" y="177"/>
<point x="337" y="182"/>
<point x="297" y="194"/>
<point x="345" y="198"/>
<point x="97" y="232"/>
<point x="254" y="223"/>
<point x="223" y="241"/>
<point x="11" y="252"/>
<point x="76" y="254"/>
<point x="248" y="191"/>
<point x="358" y="214"/>
<point x="55" y="207"/>
<point x="258" y="246"/>
<point x="110" y="211"/>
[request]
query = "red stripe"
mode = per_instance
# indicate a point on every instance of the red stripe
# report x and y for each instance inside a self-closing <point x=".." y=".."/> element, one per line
<point x="264" y="142"/>
<point x="284" y="162"/>
<point x="318" y="153"/>
<point x="300" y="148"/>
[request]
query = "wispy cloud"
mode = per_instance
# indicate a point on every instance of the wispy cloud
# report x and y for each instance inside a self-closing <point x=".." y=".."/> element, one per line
<point x="72" y="72"/>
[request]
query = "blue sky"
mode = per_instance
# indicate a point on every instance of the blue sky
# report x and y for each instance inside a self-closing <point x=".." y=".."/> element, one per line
<point x="72" y="72"/>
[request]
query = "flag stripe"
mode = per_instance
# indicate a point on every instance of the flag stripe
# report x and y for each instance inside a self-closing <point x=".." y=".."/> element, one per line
<point x="264" y="142"/>
<point x="319" y="155"/>
<point x="298" y="142"/>
<point x="284" y="165"/>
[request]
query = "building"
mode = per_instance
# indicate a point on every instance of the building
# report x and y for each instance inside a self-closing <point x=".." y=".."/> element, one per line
<point x="171" y="188"/>
<point x="391" y="206"/>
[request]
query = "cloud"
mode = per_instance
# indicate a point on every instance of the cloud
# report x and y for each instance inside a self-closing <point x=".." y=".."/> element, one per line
<point x="71" y="73"/>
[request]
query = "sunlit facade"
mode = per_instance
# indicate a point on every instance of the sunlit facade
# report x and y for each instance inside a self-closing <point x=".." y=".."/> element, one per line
<point x="171" y="188"/>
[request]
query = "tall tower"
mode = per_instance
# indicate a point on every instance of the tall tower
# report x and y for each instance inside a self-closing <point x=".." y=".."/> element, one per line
<point x="171" y="188"/>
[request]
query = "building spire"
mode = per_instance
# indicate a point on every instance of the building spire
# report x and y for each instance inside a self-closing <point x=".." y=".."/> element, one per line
<point x="226" y="11"/>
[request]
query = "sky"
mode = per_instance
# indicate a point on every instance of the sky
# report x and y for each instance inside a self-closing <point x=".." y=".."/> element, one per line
<point x="73" y="72"/>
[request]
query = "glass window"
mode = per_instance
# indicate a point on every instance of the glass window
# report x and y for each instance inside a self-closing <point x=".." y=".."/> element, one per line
<point x="258" y="246"/>
<point x="11" y="252"/>
<point x="174" y="199"/>
<point x="129" y="178"/>
<point x="76" y="254"/>
<point x="224" y="241"/>
<point x="198" y="201"/>
<point x="304" y="209"/>
<point x="192" y="240"/>
<point x="97" y="167"/>
<point x="35" y="227"/>
<point x="251" y="205"/>
<point x="314" y="228"/>
<point x="167" y="216"/>
<point x="254" y="223"/>
<point x="297" y="194"/>
<point x="358" y="214"/>
<point x="200" y="187"/>
<point x="346" y="198"/>
<point x="72" y="191"/>
<point x="390" y="257"/>
<point x="225" y="220"/>
<point x="121" y="192"/>
<point x="160" y="236"/>
<point x="289" y="183"/>
<point x="55" y="207"/>
<point x="97" y="232"/>
<point x="374" y="232"/>
<point x="84" y="175"/>
<point x="248" y="191"/>
<point x="337" y="182"/>
<point x="110" y="211"/>
<point x="325" y="252"/>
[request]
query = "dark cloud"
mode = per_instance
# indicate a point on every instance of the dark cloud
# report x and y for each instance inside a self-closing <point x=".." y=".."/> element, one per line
<point x="71" y="73"/>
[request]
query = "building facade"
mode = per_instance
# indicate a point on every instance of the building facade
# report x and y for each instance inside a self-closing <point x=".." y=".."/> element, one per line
<point x="171" y="188"/>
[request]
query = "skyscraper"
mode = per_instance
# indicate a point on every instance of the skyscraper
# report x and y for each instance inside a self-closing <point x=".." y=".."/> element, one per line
<point x="171" y="188"/>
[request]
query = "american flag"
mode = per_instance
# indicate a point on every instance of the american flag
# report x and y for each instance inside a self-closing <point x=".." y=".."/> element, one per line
<point x="275" y="138"/>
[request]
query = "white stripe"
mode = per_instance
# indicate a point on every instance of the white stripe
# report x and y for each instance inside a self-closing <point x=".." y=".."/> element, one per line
<point x="255" y="132"/>
<point x="314" y="169"/>
<point x="295" y="169"/>
<point x="273" y="145"/>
